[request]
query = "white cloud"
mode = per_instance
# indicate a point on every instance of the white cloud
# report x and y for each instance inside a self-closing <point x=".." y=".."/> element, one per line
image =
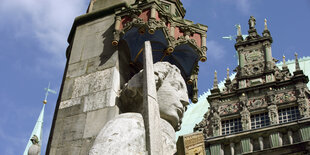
<point x="46" y="21"/>
<point x="215" y="50"/>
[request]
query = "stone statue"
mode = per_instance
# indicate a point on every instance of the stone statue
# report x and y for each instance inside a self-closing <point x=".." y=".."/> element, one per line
<point x="252" y="22"/>
<point x="35" y="148"/>
<point x="125" y="134"/>
<point x="245" y="118"/>
<point x="273" y="114"/>
<point x="216" y="122"/>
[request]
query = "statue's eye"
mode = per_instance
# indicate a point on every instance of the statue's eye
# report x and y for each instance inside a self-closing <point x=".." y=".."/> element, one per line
<point x="175" y="85"/>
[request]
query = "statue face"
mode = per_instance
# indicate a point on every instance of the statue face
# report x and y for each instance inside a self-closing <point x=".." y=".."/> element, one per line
<point x="171" y="93"/>
<point x="173" y="99"/>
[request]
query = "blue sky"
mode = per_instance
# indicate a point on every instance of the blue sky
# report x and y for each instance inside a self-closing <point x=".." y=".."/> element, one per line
<point x="33" y="43"/>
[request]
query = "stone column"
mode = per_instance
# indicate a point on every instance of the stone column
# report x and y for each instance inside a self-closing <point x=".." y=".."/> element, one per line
<point x="246" y="145"/>
<point x="290" y="136"/>
<point x="172" y="26"/>
<point x="232" y="148"/>
<point x="261" y="143"/>
<point x="204" y="48"/>
<point x="116" y="30"/>
<point x="268" y="54"/>
<point x="241" y="60"/>
<point x="275" y="139"/>
<point x="153" y="12"/>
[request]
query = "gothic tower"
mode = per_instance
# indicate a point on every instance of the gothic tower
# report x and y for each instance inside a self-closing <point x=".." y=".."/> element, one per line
<point x="104" y="52"/>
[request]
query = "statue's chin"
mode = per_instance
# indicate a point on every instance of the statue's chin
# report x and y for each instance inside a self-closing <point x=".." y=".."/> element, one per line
<point x="172" y="118"/>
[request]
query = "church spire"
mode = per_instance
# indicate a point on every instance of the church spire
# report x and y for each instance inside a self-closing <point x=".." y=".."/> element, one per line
<point x="37" y="130"/>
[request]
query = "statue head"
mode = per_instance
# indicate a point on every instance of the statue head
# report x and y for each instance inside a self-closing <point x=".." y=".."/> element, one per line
<point x="171" y="89"/>
<point x="34" y="139"/>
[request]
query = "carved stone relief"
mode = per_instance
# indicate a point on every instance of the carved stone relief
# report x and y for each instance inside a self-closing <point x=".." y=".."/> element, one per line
<point x="228" y="108"/>
<point x="285" y="97"/>
<point x="254" y="56"/>
<point x="270" y="78"/>
<point x="256" y="103"/>
<point x="242" y="84"/>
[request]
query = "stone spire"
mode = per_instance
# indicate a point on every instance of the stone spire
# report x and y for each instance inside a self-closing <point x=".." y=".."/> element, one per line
<point x="239" y="34"/>
<point x="266" y="32"/>
<point x="215" y="82"/>
<point x="284" y="66"/>
<point x="227" y="78"/>
<point x="297" y="68"/>
<point x="239" y="30"/>
<point x="266" y="28"/>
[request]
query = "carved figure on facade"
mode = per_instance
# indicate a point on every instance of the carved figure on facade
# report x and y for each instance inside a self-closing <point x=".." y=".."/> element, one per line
<point x="216" y="122"/>
<point x="172" y="99"/>
<point x="252" y="22"/>
<point x="245" y="116"/>
<point x="204" y="126"/>
<point x="273" y="114"/>
<point x="303" y="103"/>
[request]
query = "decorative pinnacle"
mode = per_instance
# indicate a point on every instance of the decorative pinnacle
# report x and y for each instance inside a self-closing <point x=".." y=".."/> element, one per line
<point x="239" y="30"/>
<point x="215" y="83"/>
<point x="296" y="62"/>
<point x="266" y="28"/>
<point x="227" y="73"/>
<point x="284" y="64"/>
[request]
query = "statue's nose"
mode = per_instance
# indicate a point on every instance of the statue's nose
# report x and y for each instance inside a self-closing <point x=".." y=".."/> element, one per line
<point x="184" y="101"/>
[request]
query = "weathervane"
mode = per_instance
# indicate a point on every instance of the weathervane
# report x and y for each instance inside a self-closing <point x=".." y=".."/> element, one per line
<point x="230" y="37"/>
<point x="48" y="90"/>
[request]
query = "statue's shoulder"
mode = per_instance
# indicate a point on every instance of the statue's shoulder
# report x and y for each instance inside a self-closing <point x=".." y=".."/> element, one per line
<point x="125" y="134"/>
